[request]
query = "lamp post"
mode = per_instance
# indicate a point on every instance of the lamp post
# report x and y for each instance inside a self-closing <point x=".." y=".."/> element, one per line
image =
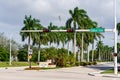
<point x="10" y="52"/>
<point x="115" y="41"/>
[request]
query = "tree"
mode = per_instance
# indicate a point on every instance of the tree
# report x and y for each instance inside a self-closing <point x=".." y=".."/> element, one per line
<point x="38" y="38"/>
<point x="118" y="28"/>
<point x="75" y="19"/>
<point x="4" y="54"/>
<point x="29" y="24"/>
<point x="54" y="37"/>
<point x="22" y="55"/>
<point x="5" y="44"/>
<point x="99" y="48"/>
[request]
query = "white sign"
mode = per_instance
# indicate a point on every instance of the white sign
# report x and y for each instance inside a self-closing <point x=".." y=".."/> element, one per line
<point x="43" y="64"/>
<point x="30" y="51"/>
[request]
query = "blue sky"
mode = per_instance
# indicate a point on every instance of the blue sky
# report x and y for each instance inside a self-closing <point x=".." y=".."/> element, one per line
<point x="12" y="13"/>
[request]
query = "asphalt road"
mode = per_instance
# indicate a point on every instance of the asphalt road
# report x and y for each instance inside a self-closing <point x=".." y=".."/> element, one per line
<point x="74" y="73"/>
<point x="103" y="66"/>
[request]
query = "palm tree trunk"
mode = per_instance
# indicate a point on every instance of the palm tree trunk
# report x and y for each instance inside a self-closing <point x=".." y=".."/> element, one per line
<point x="82" y="48"/>
<point x="57" y="46"/>
<point x="78" y="55"/>
<point x="39" y="53"/>
<point x="28" y="46"/>
<point x="99" y="55"/>
<point x="93" y="51"/>
<point x="75" y="44"/>
<point x="88" y="54"/>
<point x="68" y="47"/>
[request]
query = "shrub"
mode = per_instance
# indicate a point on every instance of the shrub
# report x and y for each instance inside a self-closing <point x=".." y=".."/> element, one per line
<point x="89" y="63"/>
<point x="83" y="63"/>
<point x="94" y="63"/>
<point x="77" y="63"/>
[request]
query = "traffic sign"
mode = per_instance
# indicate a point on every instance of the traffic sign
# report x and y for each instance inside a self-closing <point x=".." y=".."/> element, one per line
<point x="97" y="30"/>
<point x="30" y="51"/>
<point x="30" y="56"/>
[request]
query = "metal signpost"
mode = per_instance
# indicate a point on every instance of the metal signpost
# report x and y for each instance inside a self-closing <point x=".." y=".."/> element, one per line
<point x="30" y="57"/>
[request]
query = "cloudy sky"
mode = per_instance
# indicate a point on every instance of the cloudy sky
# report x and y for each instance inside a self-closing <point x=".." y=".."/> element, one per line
<point x="12" y="13"/>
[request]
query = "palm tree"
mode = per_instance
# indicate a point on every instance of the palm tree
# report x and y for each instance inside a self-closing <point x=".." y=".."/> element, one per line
<point x="29" y="24"/>
<point x="84" y="23"/>
<point x="37" y="39"/>
<point x="76" y="19"/>
<point x="118" y="28"/>
<point x="99" y="48"/>
<point x="94" y="36"/>
<point x="54" y="37"/>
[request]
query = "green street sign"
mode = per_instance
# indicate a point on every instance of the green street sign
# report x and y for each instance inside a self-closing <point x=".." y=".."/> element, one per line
<point x="97" y="30"/>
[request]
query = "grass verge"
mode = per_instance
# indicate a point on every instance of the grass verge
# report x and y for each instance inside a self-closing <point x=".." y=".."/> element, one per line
<point x="16" y="64"/>
<point x="111" y="71"/>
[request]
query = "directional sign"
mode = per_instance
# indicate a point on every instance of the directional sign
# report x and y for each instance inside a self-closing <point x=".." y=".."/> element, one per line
<point x="97" y="30"/>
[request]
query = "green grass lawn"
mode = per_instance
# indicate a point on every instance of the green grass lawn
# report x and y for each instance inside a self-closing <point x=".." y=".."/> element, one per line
<point x="111" y="71"/>
<point x="16" y="64"/>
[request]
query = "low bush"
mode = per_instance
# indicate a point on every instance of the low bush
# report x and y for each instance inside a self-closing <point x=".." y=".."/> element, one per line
<point x="77" y="63"/>
<point x="94" y="63"/>
<point x="89" y="63"/>
<point x="83" y="63"/>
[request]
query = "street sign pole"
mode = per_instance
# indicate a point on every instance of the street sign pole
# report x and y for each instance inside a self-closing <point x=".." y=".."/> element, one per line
<point x="30" y="57"/>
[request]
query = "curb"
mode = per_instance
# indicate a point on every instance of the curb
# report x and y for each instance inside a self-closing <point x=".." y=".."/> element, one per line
<point x="104" y="75"/>
<point x="95" y="74"/>
<point x="111" y="76"/>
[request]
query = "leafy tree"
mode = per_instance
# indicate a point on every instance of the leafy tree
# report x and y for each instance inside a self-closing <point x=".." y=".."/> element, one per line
<point x="5" y="45"/>
<point x="22" y="55"/>
<point x="4" y="55"/>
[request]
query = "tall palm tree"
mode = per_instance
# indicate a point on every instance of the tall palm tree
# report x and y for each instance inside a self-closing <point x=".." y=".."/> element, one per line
<point x="29" y="24"/>
<point x="99" y="48"/>
<point x="76" y="17"/>
<point x="84" y="23"/>
<point x="38" y="39"/>
<point x="95" y="36"/>
<point x="54" y="37"/>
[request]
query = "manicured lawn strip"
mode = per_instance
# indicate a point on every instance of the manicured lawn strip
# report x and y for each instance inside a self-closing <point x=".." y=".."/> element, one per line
<point x="111" y="71"/>
<point x="16" y="64"/>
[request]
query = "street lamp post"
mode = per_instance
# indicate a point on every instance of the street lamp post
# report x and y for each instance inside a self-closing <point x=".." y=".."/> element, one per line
<point x="115" y="41"/>
<point x="10" y="51"/>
